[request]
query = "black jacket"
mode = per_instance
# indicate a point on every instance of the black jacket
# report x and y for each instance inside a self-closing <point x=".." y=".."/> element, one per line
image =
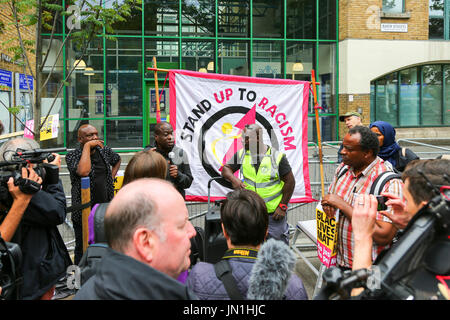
<point x="45" y="256"/>
<point x="403" y="160"/>
<point x="184" y="179"/>
<point x="120" y="277"/>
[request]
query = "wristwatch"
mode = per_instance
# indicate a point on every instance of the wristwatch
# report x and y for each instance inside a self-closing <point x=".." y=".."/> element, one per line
<point x="283" y="206"/>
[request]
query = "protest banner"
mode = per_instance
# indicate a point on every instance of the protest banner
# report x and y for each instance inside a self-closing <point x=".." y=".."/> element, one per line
<point x="209" y="111"/>
<point x="326" y="237"/>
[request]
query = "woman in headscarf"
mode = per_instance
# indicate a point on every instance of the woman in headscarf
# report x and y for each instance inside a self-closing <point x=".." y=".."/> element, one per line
<point x="389" y="148"/>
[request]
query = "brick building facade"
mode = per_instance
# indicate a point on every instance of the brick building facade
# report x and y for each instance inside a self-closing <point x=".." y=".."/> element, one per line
<point x="375" y="41"/>
<point x="12" y="72"/>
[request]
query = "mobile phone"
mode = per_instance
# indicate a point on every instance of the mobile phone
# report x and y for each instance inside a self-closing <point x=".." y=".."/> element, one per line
<point x="382" y="203"/>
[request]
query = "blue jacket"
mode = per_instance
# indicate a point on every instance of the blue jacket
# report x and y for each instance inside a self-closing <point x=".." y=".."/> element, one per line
<point x="203" y="282"/>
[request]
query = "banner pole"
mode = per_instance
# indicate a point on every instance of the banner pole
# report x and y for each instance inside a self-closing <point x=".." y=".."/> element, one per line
<point x="85" y="198"/>
<point x="319" y="140"/>
<point x="158" y="110"/>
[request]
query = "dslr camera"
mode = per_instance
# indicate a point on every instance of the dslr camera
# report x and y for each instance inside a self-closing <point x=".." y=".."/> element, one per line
<point x="13" y="168"/>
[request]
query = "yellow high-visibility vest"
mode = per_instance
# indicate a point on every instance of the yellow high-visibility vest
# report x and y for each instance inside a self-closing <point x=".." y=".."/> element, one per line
<point x="266" y="182"/>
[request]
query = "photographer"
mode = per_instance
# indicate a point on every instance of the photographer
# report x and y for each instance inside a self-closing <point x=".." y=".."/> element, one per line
<point x="45" y="257"/>
<point x="420" y="178"/>
<point x="10" y="219"/>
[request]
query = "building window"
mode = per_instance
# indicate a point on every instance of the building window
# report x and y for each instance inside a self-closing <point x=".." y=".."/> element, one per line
<point x="439" y="19"/>
<point x="278" y="39"/>
<point x="393" y="6"/>
<point x="413" y="97"/>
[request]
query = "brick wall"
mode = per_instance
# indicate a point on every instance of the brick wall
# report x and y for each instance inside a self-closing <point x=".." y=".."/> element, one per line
<point x="10" y="32"/>
<point x="359" y="101"/>
<point x="360" y="19"/>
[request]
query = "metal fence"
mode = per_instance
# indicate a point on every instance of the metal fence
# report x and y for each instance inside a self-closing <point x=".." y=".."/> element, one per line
<point x="296" y="212"/>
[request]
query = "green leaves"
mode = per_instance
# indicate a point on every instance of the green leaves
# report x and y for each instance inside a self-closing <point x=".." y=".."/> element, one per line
<point x="15" y="109"/>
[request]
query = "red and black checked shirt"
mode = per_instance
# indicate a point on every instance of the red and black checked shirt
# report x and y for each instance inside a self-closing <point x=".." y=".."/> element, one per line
<point x="348" y="186"/>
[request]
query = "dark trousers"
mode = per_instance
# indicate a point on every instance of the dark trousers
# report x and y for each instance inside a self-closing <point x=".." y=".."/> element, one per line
<point x="77" y="227"/>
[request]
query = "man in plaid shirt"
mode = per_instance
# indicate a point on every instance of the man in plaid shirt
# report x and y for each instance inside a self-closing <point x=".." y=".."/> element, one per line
<point x="359" y="155"/>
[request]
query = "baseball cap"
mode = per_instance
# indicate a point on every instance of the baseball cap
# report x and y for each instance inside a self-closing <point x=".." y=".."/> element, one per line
<point x="348" y="114"/>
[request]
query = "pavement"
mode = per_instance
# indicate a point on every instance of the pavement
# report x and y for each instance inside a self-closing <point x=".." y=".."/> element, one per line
<point x="303" y="271"/>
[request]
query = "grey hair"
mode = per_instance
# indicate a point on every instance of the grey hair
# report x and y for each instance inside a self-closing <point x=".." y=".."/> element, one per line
<point x="8" y="149"/>
<point x="124" y="217"/>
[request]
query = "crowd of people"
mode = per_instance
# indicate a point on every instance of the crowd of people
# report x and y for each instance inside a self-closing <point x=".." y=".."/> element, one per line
<point x="148" y="234"/>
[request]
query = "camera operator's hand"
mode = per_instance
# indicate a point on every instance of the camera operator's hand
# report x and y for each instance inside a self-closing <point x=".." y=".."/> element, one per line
<point x="27" y="173"/>
<point x="20" y="203"/>
<point x="56" y="161"/>
<point x="398" y="215"/>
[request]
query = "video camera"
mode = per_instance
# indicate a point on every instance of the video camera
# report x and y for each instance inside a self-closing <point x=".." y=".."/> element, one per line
<point x="410" y="269"/>
<point x="11" y="279"/>
<point x="13" y="168"/>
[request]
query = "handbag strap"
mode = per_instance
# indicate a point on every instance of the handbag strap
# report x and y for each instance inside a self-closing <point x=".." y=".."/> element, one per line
<point x="223" y="272"/>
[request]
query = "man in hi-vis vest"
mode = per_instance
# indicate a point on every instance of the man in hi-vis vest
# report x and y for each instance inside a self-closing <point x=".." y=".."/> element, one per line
<point x="267" y="172"/>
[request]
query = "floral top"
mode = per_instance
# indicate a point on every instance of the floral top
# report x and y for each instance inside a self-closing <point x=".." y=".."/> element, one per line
<point x="73" y="157"/>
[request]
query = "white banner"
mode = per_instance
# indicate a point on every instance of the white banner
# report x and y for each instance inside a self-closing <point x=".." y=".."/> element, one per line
<point x="209" y="111"/>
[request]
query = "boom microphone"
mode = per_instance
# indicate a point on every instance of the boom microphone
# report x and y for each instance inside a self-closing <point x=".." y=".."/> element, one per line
<point x="271" y="273"/>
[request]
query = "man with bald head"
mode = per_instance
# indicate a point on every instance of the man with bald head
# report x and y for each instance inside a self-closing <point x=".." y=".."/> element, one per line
<point x="148" y="233"/>
<point x="98" y="162"/>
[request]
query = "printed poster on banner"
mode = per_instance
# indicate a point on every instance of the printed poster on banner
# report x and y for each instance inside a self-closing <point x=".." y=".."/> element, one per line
<point x="50" y="128"/>
<point x="326" y="237"/>
<point x="118" y="181"/>
<point x="48" y="131"/>
<point x="209" y="112"/>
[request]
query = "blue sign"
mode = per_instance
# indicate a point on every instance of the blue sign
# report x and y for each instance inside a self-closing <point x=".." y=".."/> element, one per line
<point x="5" y="78"/>
<point x="23" y="82"/>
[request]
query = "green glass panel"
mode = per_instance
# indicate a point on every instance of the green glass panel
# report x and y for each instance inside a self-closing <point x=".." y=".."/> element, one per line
<point x="198" y="17"/>
<point x="447" y="95"/>
<point x="124" y="133"/>
<point x="301" y="19"/>
<point x="386" y="99"/>
<point x="432" y="95"/>
<point x="233" y="18"/>
<point x="327" y="78"/>
<point x="233" y="57"/>
<point x="267" y="59"/>
<point x="268" y="18"/>
<point x="196" y="55"/>
<point x="85" y="91"/>
<point x="327" y="19"/>
<point x="124" y="77"/>
<point x="409" y="97"/>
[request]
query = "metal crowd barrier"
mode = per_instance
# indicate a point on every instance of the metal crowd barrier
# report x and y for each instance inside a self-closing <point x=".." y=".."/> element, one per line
<point x="297" y="211"/>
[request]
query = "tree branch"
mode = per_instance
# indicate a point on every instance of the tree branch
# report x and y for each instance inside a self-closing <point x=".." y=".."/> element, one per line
<point x="17" y="118"/>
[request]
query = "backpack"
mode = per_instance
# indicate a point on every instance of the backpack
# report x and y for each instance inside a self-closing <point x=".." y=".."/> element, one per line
<point x="90" y="260"/>
<point x="97" y="242"/>
<point x="197" y="246"/>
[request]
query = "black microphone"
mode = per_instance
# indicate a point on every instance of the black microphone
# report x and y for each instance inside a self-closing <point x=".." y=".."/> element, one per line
<point x="271" y="273"/>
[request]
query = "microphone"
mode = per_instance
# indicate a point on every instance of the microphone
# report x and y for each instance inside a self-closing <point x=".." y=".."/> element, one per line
<point x="171" y="156"/>
<point x="175" y="157"/>
<point x="271" y="273"/>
